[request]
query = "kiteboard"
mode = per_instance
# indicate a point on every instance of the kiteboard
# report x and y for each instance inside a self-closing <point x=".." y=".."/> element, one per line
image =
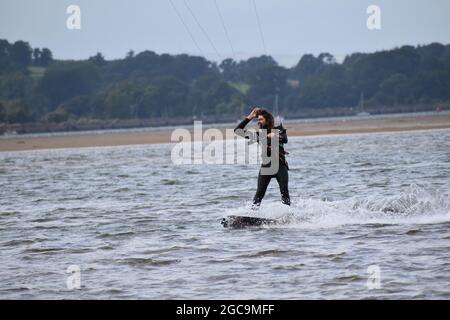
<point x="238" y="222"/>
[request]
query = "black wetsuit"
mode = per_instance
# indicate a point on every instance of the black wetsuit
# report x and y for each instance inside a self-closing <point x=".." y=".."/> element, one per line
<point x="281" y="175"/>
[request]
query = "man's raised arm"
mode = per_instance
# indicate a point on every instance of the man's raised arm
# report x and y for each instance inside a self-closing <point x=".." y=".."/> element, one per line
<point x="240" y="128"/>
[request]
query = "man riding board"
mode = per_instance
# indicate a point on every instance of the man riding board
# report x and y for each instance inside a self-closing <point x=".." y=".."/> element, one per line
<point x="267" y="128"/>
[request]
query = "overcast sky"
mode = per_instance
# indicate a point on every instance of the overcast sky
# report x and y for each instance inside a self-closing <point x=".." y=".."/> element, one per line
<point x="289" y="28"/>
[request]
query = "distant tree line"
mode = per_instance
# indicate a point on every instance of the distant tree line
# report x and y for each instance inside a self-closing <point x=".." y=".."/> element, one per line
<point x="36" y="88"/>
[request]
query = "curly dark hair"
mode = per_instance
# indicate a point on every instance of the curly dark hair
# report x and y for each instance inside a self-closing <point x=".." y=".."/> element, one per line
<point x="270" y="122"/>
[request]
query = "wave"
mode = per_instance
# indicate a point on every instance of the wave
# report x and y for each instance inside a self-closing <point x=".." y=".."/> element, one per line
<point x="413" y="206"/>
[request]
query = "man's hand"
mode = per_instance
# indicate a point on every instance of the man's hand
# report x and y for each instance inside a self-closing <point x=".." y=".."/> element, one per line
<point x="274" y="134"/>
<point x="253" y="114"/>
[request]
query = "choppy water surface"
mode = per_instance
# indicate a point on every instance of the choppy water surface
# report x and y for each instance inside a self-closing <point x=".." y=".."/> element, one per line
<point x="141" y="227"/>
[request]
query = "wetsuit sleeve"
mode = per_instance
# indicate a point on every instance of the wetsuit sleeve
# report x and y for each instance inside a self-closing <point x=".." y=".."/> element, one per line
<point x="247" y="134"/>
<point x="283" y="136"/>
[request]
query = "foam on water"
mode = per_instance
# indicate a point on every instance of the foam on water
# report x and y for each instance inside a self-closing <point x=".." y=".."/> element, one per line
<point x="414" y="206"/>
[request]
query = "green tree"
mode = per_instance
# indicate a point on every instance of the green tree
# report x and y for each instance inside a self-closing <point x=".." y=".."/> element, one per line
<point x="121" y="99"/>
<point x="307" y="66"/>
<point x="21" y="52"/>
<point x="130" y="54"/>
<point x="208" y="92"/>
<point x="7" y="62"/>
<point x="18" y="112"/>
<point x="37" y="56"/>
<point x="98" y="59"/>
<point x="2" y="112"/>
<point x="79" y="106"/>
<point x="5" y="49"/>
<point x="14" y="86"/>
<point x="58" y="115"/>
<point x="66" y="80"/>
<point x="46" y="57"/>
<point x="265" y="83"/>
<point x="432" y="85"/>
<point x="230" y="70"/>
<point x="172" y="97"/>
<point x="394" y="90"/>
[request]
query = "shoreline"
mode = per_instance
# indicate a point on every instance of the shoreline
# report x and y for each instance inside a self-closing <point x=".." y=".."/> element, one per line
<point x="333" y="127"/>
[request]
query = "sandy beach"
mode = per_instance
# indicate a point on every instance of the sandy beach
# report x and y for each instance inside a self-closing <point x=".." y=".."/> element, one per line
<point x="163" y="135"/>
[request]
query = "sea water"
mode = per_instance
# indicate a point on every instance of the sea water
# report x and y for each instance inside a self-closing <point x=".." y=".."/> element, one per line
<point x="370" y="219"/>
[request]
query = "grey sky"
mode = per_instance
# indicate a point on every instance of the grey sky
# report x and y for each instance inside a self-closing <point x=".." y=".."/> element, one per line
<point x="290" y="28"/>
